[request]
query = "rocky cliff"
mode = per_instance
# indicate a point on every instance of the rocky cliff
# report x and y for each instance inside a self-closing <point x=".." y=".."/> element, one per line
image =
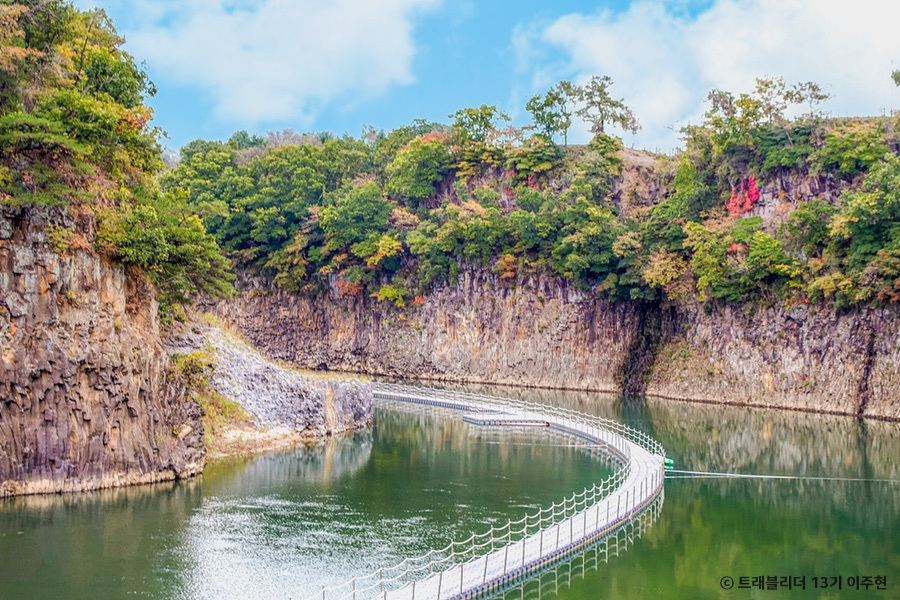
<point x="88" y="398"/>
<point x="805" y="358"/>
<point x="543" y="332"/>
<point x="276" y="398"/>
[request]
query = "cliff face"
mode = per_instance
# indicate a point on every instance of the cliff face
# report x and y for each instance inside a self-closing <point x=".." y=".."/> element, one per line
<point x="805" y="358"/>
<point x="88" y="398"/>
<point x="542" y="332"/>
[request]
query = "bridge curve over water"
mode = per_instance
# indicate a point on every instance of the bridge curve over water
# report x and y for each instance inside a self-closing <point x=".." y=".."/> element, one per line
<point x="484" y="563"/>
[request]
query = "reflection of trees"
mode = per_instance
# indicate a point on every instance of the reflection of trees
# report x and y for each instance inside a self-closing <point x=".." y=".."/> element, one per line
<point x="327" y="460"/>
<point x="67" y="540"/>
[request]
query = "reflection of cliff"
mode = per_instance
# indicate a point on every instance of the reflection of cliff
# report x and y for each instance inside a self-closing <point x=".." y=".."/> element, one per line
<point x="432" y="437"/>
<point x="727" y="438"/>
<point x="708" y="438"/>
<point x="69" y="545"/>
<point x="326" y="460"/>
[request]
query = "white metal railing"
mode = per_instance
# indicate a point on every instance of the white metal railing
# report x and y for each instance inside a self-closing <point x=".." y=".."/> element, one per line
<point x="525" y="407"/>
<point x="531" y="538"/>
<point x="562" y="574"/>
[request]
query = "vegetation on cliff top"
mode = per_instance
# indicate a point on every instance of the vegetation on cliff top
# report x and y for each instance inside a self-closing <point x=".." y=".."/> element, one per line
<point x="75" y="132"/>
<point x="391" y="214"/>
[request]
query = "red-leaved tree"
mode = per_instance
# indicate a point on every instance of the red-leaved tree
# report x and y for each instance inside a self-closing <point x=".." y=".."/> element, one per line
<point x="744" y="197"/>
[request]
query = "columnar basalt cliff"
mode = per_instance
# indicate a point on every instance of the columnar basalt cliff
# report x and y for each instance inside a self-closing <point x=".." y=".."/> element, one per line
<point x="810" y="358"/>
<point x="543" y="332"/>
<point x="88" y="398"/>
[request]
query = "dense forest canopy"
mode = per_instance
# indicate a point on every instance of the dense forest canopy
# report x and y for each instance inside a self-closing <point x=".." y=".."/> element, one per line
<point x="390" y="215"/>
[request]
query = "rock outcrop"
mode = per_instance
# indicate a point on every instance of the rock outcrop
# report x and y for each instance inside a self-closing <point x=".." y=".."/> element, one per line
<point x="809" y="358"/>
<point x="276" y="397"/>
<point x="88" y="398"/>
<point x="543" y="332"/>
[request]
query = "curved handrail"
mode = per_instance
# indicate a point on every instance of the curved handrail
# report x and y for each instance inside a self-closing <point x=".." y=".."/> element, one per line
<point x="436" y="562"/>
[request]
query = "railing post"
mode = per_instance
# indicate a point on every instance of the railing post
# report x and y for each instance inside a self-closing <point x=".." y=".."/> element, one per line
<point x="462" y="567"/>
<point x="557" y="536"/>
<point x="440" y="583"/>
<point x="542" y="542"/>
<point x="353" y="585"/>
<point x="505" y="557"/>
<point x="484" y="577"/>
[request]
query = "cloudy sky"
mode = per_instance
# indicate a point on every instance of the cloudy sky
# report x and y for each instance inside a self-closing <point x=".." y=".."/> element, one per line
<point x="341" y="65"/>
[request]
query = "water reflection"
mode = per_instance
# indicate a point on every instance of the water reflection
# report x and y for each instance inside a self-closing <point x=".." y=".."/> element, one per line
<point x="717" y="527"/>
<point x="281" y="525"/>
<point x="325" y="461"/>
<point x="553" y="582"/>
<point x="69" y="545"/>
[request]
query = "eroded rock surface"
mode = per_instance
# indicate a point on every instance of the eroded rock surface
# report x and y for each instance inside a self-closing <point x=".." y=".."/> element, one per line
<point x="275" y="396"/>
<point x="88" y="398"/>
<point x="543" y="332"/>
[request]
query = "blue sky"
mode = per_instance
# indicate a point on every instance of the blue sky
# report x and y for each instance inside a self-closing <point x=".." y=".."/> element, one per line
<point x="341" y="65"/>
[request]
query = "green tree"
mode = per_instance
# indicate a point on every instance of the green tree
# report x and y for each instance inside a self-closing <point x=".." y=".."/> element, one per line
<point x="869" y="220"/>
<point x="551" y="114"/>
<point x="415" y="169"/>
<point x="352" y="215"/>
<point x="475" y="124"/>
<point x="599" y="108"/>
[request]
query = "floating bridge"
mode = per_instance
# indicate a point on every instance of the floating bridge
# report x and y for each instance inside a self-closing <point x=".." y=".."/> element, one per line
<point x="503" y="556"/>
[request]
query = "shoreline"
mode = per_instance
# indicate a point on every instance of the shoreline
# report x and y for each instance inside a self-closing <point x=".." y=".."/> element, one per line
<point x="424" y="379"/>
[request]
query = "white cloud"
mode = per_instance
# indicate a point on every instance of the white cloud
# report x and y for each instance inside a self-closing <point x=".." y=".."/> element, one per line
<point x="664" y="62"/>
<point x="273" y="60"/>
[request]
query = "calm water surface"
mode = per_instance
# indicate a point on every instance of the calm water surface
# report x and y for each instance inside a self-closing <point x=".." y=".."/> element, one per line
<point x="280" y="526"/>
<point x="283" y="525"/>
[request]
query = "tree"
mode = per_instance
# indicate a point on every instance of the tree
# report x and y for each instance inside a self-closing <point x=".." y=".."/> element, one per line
<point x="418" y="166"/>
<point x="474" y="124"/>
<point x="869" y="217"/>
<point x="599" y="108"/>
<point x="550" y="113"/>
<point x="353" y="215"/>
<point x="241" y="140"/>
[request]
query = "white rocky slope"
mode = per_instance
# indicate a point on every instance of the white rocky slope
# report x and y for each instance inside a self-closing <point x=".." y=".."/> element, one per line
<point x="277" y="397"/>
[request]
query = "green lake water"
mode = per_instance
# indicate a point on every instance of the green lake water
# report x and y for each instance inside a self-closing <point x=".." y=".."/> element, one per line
<point x="282" y="525"/>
